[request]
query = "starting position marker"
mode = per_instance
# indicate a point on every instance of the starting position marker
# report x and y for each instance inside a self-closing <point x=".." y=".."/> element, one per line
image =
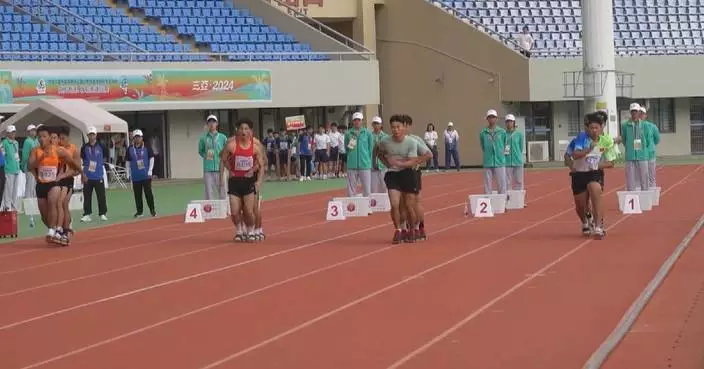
<point x="214" y="209"/>
<point x="335" y="211"/>
<point x="483" y="209"/>
<point x="631" y="204"/>
<point x="354" y="206"/>
<point x="379" y="202"/>
<point x="194" y="213"/>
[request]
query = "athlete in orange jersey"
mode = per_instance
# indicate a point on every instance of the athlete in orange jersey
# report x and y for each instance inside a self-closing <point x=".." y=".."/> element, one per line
<point x="67" y="170"/>
<point x="44" y="162"/>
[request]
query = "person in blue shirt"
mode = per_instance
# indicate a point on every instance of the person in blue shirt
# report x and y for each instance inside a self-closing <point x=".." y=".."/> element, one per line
<point x="140" y="163"/>
<point x="305" y="152"/>
<point x="93" y="157"/>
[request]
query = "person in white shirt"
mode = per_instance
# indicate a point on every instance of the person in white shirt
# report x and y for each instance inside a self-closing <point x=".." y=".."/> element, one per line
<point x="322" y="152"/>
<point x="336" y="139"/>
<point x="431" y="139"/>
<point x="451" y="139"/>
<point x="525" y="40"/>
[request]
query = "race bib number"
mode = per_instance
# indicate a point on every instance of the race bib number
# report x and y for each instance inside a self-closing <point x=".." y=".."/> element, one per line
<point x="140" y="164"/>
<point x="243" y="163"/>
<point x="352" y="144"/>
<point x="636" y="144"/>
<point x="592" y="162"/>
<point x="47" y="174"/>
<point x="507" y="150"/>
<point x="209" y="155"/>
<point x="92" y="165"/>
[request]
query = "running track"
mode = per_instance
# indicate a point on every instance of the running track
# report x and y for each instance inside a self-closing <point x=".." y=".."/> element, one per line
<point x="521" y="290"/>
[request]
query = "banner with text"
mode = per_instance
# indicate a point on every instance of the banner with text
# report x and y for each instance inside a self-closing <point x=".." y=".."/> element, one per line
<point x="24" y="86"/>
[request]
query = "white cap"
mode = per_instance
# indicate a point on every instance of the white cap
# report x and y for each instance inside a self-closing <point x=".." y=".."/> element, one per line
<point x="510" y="117"/>
<point x="92" y="130"/>
<point x="491" y="113"/>
<point x="31" y="127"/>
<point x="357" y="115"/>
<point x="137" y="132"/>
<point x="212" y="117"/>
<point x="450" y="124"/>
<point x="377" y="120"/>
<point x="643" y="109"/>
<point x="634" y="106"/>
<point x="10" y="129"/>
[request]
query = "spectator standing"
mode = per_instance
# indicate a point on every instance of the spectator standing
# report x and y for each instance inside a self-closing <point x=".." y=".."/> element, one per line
<point x="525" y="41"/>
<point x="635" y="139"/>
<point x="11" y="149"/>
<point x="378" y="167"/>
<point x="210" y="145"/>
<point x="93" y="157"/>
<point x="431" y="139"/>
<point x="30" y="190"/>
<point x="451" y="140"/>
<point x="305" y="149"/>
<point x="140" y="163"/>
<point x="358" y="142"/>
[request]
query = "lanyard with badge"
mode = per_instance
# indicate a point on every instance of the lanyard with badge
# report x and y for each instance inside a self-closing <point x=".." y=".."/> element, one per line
<point x="93" y="159"/>
<point x="139" y="155"/>
<point x="507" y="147"/>
<point x="353" y="140"/>
<point x="636" y="136"/>
<point x="210" y="145"/>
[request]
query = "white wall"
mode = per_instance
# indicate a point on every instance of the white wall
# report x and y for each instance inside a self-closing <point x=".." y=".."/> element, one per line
<point x="185" y="128"/>
<point x="294" y="84"/>
<point x="655" y="76"/>
<point x="671" y="144"/>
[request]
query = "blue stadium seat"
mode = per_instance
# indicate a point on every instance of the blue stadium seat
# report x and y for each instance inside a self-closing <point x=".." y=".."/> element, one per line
<point x="555" y="24"/>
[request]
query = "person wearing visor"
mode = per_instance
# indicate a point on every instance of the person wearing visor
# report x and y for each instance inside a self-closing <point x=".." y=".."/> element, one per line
<point x="515" y="142"/>
<point x="378" y="167"/>
<point x="210" y="145"/>
<point x="359" y="144"/>
<point x="30" y="142"/>
<point x="492" y="141"/>
<point x="93" y="157"/>
<point x="140" y="163"/>
<point x="635" y="139"/>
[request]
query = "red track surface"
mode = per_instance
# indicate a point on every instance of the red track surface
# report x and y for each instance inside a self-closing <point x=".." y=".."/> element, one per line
<point x="521" y="290"/>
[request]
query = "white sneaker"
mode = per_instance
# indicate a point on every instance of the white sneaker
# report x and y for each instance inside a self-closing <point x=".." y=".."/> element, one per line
<point x="308" y="178"/>
<point x="325" y="176"/>
<point x="302" y="179"/>
<point x="86" y="219"/>
<point x="104" y="218"/>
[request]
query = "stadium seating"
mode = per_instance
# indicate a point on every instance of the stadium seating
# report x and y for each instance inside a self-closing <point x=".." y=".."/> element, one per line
<point x="641" y="27"/>
<point x="224" y="28"/>
<point x="99" y="27"/>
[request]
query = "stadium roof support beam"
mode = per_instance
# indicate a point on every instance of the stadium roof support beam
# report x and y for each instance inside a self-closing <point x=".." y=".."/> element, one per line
<point x="78" y="113"/>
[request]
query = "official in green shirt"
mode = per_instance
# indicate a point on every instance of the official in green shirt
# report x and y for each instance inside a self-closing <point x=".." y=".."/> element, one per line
<point x="378" y="167"/>
<point x="652" y="133"/>
<point x="515" y="142"/>
<point x="11" y="149"/>
<point x="210" y="146"/>
<point x="492" y="141"/>
<point x="635" y="140"/>
<point x="359" y="144"/>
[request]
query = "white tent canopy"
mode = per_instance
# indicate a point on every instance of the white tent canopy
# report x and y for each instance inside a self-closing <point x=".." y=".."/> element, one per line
<point x="78" y="113"/>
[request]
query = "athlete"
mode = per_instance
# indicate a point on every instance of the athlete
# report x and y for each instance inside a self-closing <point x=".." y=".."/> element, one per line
<point x="591" y="154"/>
<point x="400" y="155"/>
<point x="68" y="168"/>
<point x="418" y="209"/>
<point x="44" y="163"/>
<point x="244" y="158"/>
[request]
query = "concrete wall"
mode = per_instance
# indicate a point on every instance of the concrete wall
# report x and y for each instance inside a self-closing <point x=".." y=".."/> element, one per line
<point x="441" y="69"/>
<point x="294" y="84"/>
<point x="671" y="144"/>
<point x="680" y="72"/>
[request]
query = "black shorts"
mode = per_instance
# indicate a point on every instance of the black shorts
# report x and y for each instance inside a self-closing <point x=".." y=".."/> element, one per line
<point x="321" y="156"/>
<point x="241" y="186"/>
<point x="343" y="157"/>
<point x="283" y="157"/>
<point x="43" y="189"/>
<point x="419" y="180"/>
<point x="66" y="182"/>
<point x="580" y="180"/>
<point x="271" y="158"/>
<point x="334" y="153"/>
<point x="405" y="181"/>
